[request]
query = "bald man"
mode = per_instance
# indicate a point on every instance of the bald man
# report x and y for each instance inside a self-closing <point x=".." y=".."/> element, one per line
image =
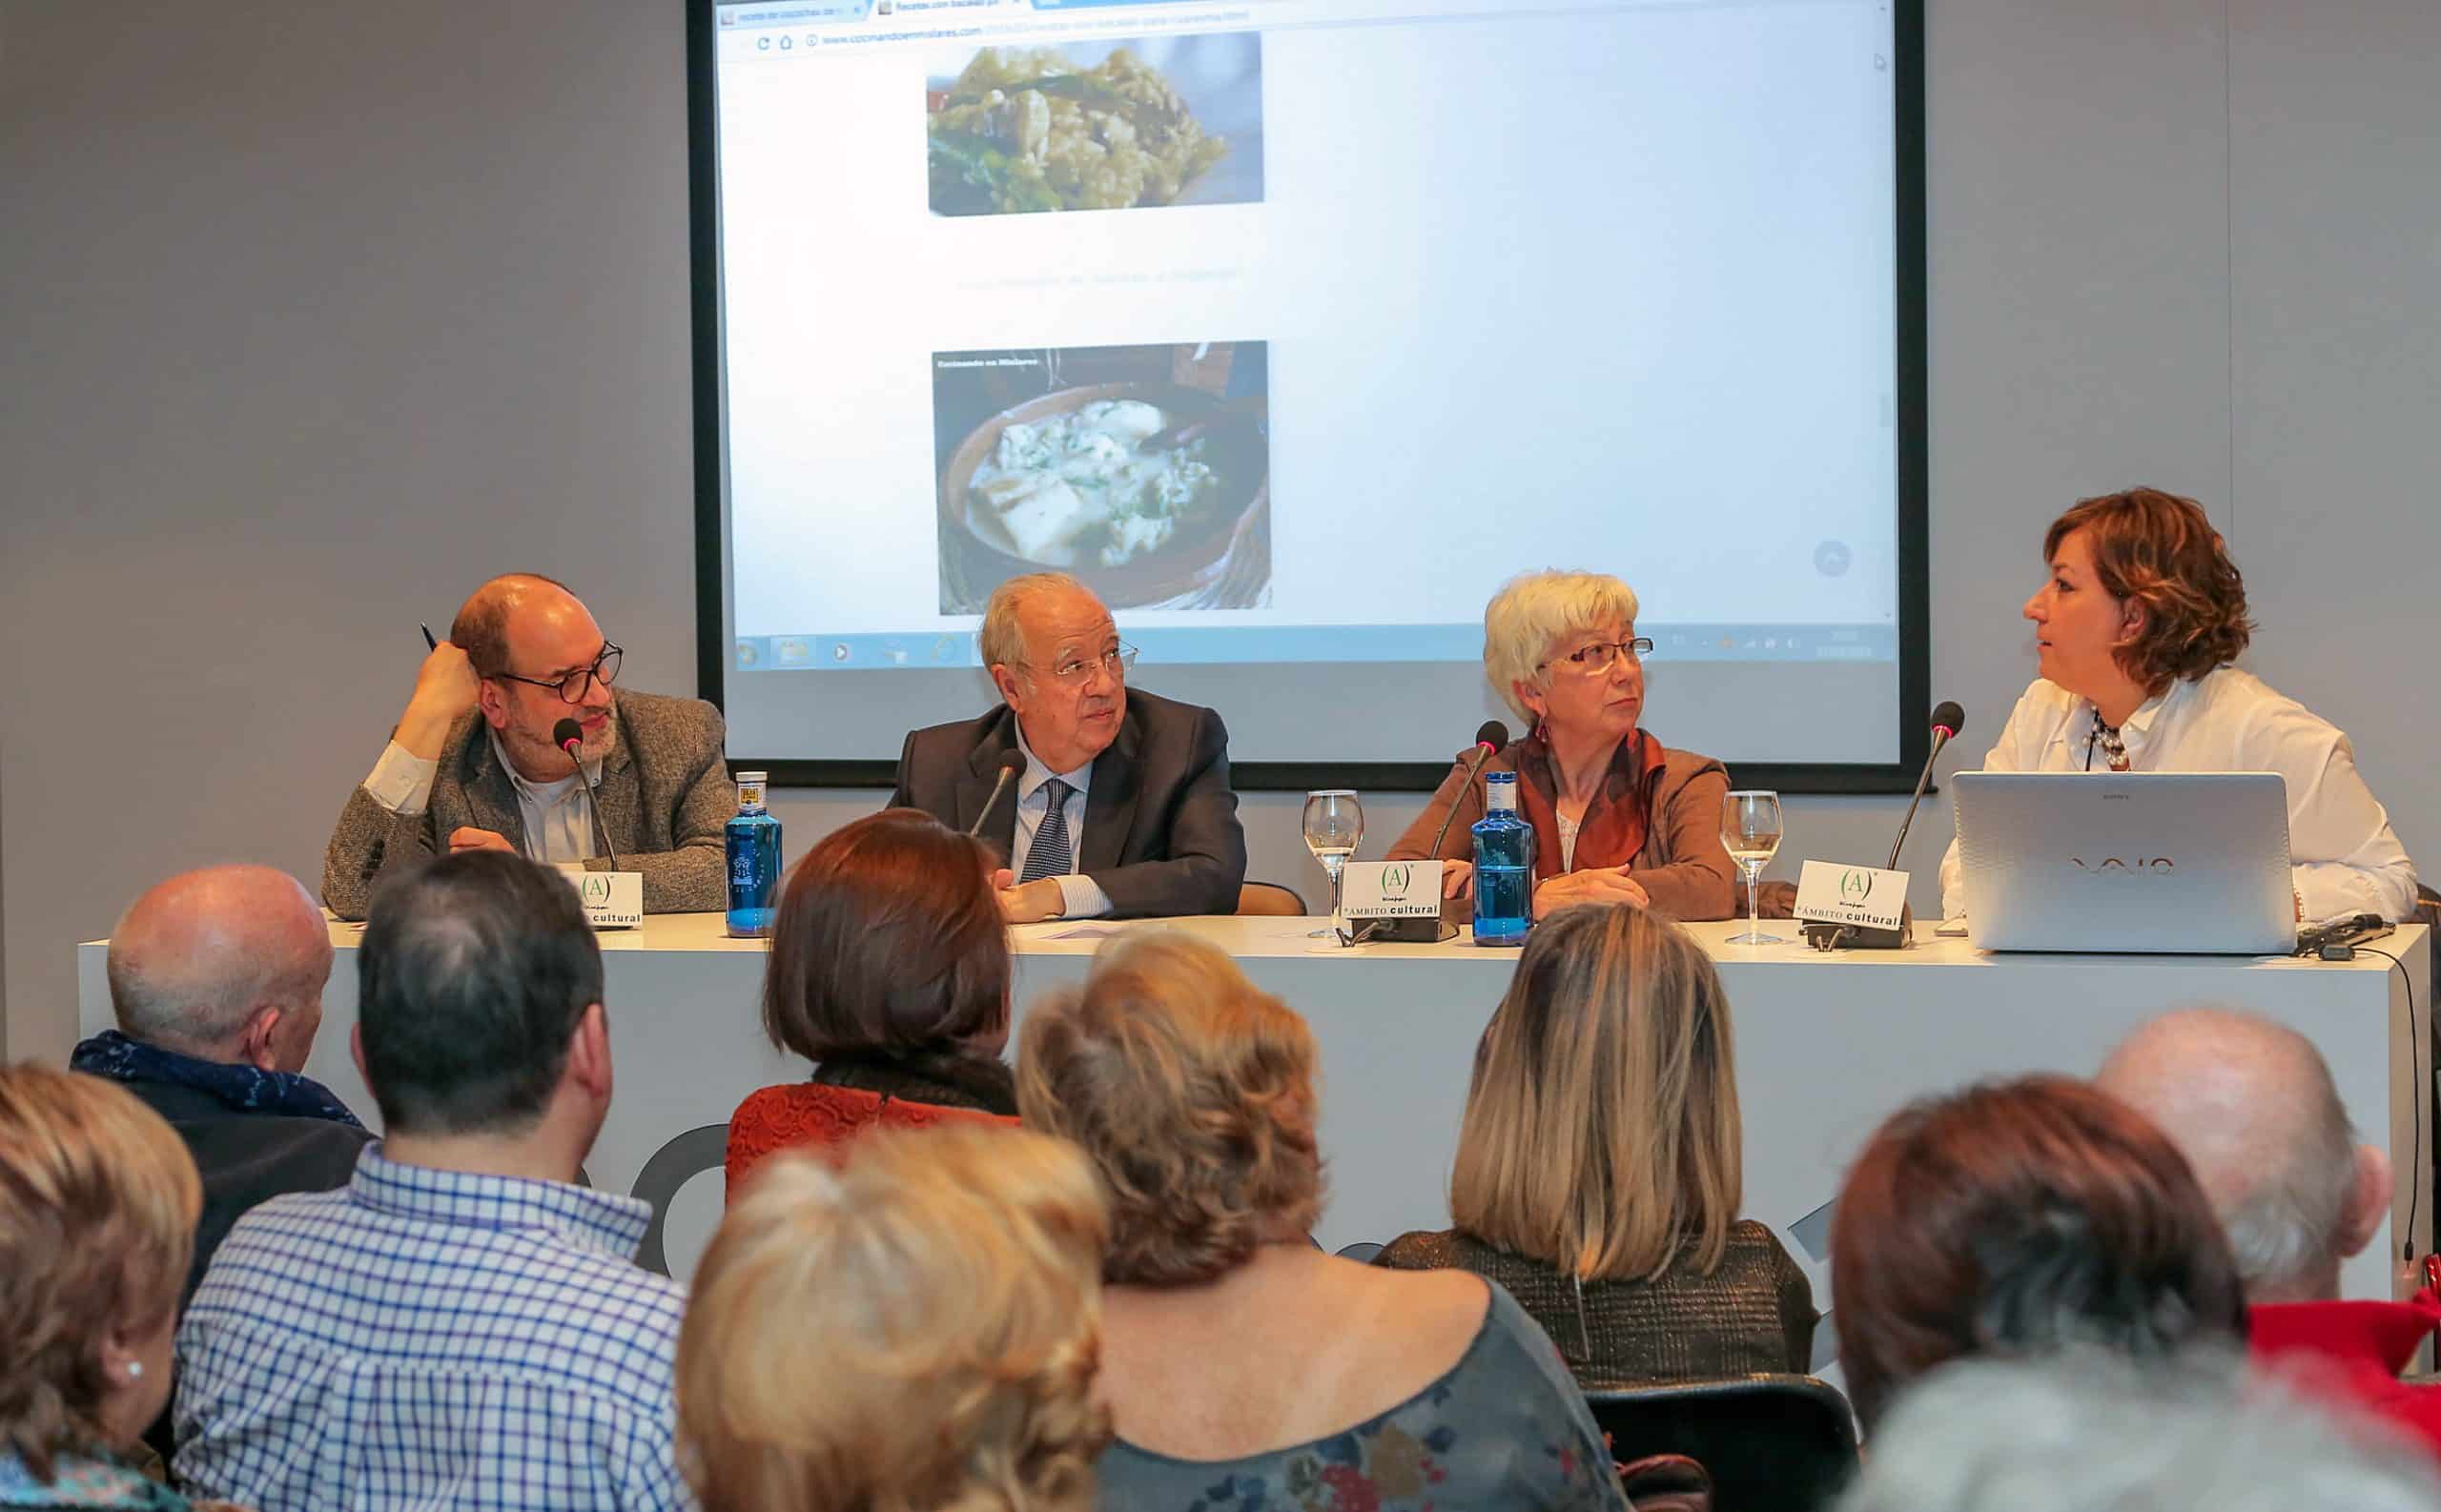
<point x="472" y="765"/>
<point x="216" y="979"/>
<point x="2252" y="1105"/>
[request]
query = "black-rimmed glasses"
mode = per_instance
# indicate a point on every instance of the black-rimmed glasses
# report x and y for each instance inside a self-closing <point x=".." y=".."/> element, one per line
<point x="604" y="670"/>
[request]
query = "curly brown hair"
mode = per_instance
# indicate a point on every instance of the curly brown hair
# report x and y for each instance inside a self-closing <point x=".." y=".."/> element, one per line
<point x="2160" y="551"/>
<point x="98" y="1202"/>
<point x="1193" y="1090"/>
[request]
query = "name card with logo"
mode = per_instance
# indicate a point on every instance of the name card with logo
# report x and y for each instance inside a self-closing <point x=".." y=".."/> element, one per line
<point x="1865" y="897"/>
<point x="1391" y="890"/>
<point x="613" y="900"/>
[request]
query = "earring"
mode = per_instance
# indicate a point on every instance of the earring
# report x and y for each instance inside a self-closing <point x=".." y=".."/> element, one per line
<point x="135" y="1370"/>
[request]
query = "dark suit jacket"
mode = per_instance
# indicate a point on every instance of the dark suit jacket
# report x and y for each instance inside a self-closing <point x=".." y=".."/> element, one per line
<point x="1161" y="834"/>
<point x="666" y="800"/>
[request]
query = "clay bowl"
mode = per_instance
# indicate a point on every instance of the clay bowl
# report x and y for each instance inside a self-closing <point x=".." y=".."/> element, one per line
<point x="1192" y="558"/>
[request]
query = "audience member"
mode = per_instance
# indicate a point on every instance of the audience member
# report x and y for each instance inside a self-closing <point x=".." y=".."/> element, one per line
<point x="912" y="1330"/>
<point x="216" y="979"/>
<point x="461" y="1325"/>
<point x="1598" y="1171"/>
<point x="1245" y="1368"/>
<point x="888" y="970"/>
<point x="2093" y="1432"/>
<point x="2251" y="1105"/>
<point x="2015" y="1218"/>
<point x="98" y="1201"/>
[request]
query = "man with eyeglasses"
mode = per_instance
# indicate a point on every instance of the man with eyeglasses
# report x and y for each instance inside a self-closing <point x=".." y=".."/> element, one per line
<point x="1124" y="808"/>
<point x="472" y="765"/>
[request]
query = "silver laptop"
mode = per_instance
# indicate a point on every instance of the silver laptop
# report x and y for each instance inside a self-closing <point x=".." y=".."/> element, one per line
<point x="2186" y="863"/>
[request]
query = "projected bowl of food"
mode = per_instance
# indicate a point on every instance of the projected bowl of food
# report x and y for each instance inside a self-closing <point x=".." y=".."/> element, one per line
<point x="1124" y="124"/>
<point x="1149" y="492"/>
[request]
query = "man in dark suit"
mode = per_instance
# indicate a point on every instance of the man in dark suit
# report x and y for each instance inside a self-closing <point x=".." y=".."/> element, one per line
<point x="474" y="765"/>
<point x="1122" y="807"/>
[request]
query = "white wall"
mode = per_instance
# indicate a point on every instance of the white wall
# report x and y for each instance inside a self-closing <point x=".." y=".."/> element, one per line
<point x="317" y="316"/>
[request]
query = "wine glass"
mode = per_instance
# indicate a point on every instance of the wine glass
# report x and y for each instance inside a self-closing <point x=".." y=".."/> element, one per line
<point x="1749" y="826"/>
<point x="1334" y="825"/>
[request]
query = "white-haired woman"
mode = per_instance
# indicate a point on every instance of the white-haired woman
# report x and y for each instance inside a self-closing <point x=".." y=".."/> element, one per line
<point x="1617" y="816"/>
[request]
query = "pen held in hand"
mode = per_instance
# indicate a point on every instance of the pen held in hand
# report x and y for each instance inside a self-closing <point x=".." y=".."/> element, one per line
<point x="429" y="644"/>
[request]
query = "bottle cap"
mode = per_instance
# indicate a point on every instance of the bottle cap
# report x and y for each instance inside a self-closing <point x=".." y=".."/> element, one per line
<point x="756" y="778"/>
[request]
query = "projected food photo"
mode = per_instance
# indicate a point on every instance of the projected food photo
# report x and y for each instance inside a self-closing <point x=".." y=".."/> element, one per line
<point x="1145" y="470"/>
<point x="1122" y="125"/>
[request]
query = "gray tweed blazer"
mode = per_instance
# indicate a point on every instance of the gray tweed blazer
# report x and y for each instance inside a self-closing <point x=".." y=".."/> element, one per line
<point x="665" y="800"/>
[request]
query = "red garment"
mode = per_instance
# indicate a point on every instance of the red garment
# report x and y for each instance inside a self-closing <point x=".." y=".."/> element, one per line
<point x="2353" y="1352"/>
<point x="808" y="1112"/>
<point x="1613" y="831"/>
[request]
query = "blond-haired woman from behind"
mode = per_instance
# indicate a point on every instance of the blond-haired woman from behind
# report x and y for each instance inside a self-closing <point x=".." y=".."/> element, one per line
<point x="98" y="1204"/>
<point x="1598" y="1173"/>
<point x="915" y="1330"/>
<point x="1245" y="1368"/>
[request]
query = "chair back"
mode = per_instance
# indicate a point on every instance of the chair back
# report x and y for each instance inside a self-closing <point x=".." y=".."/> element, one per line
<point x="1270" y="898"/>
<point x="1771" y="1443"/>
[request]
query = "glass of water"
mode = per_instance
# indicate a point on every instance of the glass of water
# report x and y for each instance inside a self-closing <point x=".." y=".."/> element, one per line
<point x="1334" y="827"/>
<point x="1749" y="826"/>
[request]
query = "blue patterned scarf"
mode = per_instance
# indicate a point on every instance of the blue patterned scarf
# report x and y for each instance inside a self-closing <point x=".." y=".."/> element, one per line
<point x="113" y="1055"/>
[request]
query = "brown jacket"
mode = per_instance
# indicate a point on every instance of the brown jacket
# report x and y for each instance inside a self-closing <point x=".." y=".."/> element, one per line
<point x="1683" y="865"/>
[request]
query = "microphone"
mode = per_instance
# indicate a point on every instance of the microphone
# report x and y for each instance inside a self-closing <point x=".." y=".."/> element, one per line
<point x="568" y="734"/>
<point x="1011" y="763"/>
<point x="1947" y="721"/>
<point x="1491" y="738"/>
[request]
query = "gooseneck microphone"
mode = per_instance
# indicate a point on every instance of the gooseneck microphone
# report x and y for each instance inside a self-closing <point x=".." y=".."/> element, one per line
<point x="1011" y="763"/>
<point x="1947" y="721"/>
<point x="1491" y="738"/>
<point x="569" y="736"/>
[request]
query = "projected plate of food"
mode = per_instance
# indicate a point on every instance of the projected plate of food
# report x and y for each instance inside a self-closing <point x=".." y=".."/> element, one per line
<point x="1151" y="493"/>
<point x="1128" y="125"/>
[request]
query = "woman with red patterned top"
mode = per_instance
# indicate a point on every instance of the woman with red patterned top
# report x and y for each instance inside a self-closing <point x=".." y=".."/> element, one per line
<point x="890" y="970"/>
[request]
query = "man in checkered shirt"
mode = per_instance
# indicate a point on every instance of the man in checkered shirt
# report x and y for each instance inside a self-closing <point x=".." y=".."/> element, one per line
<point x="463" y="1326"/>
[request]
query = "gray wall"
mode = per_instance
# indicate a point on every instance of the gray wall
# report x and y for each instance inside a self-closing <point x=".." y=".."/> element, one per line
<point x="314" y="318"/>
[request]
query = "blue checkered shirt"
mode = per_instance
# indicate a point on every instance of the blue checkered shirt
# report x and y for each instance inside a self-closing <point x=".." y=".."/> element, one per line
<point x="424" y="1338"/>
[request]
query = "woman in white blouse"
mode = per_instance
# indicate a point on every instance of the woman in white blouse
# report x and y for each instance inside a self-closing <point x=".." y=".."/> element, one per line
<point x="2135" y="633"/>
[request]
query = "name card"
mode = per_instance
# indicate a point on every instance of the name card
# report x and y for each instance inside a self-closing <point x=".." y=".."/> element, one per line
<point x="613" y="900"/>
<point x="1391" y="889"/>
<point x="1865" y="897"/>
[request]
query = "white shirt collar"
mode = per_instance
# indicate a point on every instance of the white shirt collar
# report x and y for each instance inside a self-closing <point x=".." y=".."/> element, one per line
<point x="1036" y="773"/>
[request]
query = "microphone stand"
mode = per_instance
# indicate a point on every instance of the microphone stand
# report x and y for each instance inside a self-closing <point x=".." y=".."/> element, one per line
<point x="1831" y="936"/>
<point x="593" y="792"/>
<point x="1432" y="931"/>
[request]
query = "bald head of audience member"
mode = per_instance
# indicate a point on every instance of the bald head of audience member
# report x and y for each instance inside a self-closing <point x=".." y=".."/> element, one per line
<point x="226" y="964"/>
<point x="521" y="630"/>
<point x="2251" y="1105"/>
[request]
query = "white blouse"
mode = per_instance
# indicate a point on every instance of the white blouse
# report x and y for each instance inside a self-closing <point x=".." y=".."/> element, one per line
<point x="2346" y="858"/>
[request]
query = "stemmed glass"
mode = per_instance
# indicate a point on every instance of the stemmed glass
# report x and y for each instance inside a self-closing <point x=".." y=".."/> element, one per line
<point x="1334" y="826"/>
<point x="1749" y="826"/>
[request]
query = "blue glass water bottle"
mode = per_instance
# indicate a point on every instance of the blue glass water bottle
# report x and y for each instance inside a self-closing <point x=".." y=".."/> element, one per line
<point x="1504" y="866"/>
<point x="754" y="860"/>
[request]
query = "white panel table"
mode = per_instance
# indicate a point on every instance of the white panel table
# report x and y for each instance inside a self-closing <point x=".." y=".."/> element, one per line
<point x="1826" y="1046"/>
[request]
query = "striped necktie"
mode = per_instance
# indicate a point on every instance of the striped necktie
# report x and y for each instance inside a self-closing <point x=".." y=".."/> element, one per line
<point x="1050" y="855"/>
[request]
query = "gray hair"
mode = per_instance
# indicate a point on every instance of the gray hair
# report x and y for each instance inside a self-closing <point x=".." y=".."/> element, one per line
<point x="1531" y="614"/>
<point x="1002" y="639"/>
<point x="2286" y="1229"/>
<point x="191" y="960"/>
<point x="2097" y="1433"/>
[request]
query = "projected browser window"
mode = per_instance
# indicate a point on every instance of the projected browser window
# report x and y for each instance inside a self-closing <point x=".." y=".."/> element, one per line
<point x="1295" y="328"/>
